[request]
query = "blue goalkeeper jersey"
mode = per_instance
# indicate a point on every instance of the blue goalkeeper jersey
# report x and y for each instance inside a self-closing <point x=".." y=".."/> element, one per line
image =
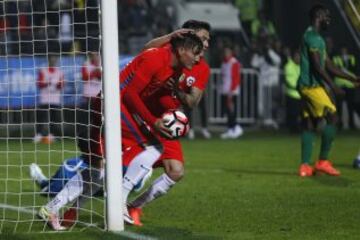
<point x="66" y="171"/>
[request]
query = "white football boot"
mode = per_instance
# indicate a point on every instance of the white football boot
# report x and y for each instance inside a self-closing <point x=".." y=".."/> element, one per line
<point x="36" y="174"/>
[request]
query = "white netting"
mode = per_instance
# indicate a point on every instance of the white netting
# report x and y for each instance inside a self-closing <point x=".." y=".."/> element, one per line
<point x="44" y="110"/>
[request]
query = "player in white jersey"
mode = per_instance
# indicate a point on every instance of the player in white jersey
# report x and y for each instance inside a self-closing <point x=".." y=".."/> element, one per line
<point x="91" y="76"/>
<point x="230" y="73"/>
<point x="50" y="83"/>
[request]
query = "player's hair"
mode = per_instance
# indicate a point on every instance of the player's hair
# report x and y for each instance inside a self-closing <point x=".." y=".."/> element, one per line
<point x="188" y="41"/>
<point x="316" y="10"/>
<point x="196" y="25"/>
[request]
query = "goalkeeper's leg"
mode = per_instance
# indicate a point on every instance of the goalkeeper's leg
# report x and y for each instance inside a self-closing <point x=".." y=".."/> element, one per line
<point x="87" y="183"/>
<point x="138" y="161"/>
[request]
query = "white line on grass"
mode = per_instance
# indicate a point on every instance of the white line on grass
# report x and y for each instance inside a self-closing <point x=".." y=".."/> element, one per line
<point x="19" y="209"/>
<point x="136" y="236"/>
<point x="130" y="235"/>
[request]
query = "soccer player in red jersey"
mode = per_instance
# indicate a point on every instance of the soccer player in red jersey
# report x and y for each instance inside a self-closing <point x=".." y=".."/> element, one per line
<point x="147" y="72"/>
<point x="186" y="90"/>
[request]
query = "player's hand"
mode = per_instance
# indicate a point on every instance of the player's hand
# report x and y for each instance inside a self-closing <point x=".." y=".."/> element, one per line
<point x="180" y="32"/>
<point x="162" y="129"/>
<point x="171" y="84"/>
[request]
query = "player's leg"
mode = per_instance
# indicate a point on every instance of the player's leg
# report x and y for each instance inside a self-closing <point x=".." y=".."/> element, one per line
<point x="139" y="167"/>
<point x="50" y="212"/>
<point x="133" y="134"/>
<point x="128" y="155"/>
<point x="65" y="172"/>
<point x="38" y="176"/>
<point x="326" y="109"/>
<point x="81" y="186"/>
<point x="327" y="138"/>
<point x="307" y="141"/>
<point x="173" y="172"/>
<point x="173" y="164"/>
<point x="55" y="122"/>
<point x="41" y="119"/>
<point x="308" y="124"/>
<point x="204" y="118"/>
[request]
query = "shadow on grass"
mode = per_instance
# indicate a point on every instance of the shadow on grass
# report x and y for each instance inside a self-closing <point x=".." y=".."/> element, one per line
<point x="260" y="172"/>
<point x="340" y="182"/>
<point x="175" y="233"/>
<point x="343" y="165"/>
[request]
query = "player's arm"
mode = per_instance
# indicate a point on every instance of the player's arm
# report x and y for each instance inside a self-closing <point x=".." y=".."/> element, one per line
<point x="315" y="61"/>
<point x="131" y="94"/>
<point x="132" y="100"/>
<point x="160" y="41"/>
<point x="339" y="73"/>
<point x="191" y="99"/>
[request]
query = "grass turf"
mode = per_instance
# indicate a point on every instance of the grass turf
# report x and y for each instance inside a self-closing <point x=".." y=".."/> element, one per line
<point x="239" y="189"/>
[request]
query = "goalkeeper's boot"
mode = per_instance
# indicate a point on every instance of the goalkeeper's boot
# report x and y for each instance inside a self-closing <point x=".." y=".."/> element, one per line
<point x="51" y="219"/>
<point x="140" y="185"/>
<point x="70" y="217"/>
<point x="135" y="214"/>
<point x="325" y="166"/>
<point x="305" y="170"/>
<point x="37" y="175"/>
<point x="127" y="218"/>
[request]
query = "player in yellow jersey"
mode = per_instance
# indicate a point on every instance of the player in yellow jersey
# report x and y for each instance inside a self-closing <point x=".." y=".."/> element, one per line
<point x="315" y="87"/>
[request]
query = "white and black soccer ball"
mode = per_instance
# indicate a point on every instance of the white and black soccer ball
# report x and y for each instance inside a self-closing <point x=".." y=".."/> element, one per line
<point x="177" y="122"/>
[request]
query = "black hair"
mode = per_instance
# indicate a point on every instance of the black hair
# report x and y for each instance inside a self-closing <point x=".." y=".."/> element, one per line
<point x="316" y="10"/>
<point x="196" y="25"/>
<point x="188" y="41"/>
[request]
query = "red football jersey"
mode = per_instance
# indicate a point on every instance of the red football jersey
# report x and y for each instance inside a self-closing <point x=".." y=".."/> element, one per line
<point x="164" y="99"/>
<point x="146" y="73"/>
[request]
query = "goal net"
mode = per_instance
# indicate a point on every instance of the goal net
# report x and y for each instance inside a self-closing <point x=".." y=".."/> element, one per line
<point x="50" y="71"/>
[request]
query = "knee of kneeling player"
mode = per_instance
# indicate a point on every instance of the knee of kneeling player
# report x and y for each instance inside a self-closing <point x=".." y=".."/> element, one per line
<point x="176" y="174"/>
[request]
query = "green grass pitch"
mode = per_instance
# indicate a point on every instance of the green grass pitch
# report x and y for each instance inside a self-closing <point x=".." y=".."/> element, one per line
<point x="238" y="189"/>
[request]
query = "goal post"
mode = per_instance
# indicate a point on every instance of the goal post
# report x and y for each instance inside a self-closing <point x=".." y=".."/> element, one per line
<point x="55" y="58"/>
<point x="110" y="60"/>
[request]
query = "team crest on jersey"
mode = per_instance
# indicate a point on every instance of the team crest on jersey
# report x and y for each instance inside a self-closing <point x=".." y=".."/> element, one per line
<point x="190" y="81"/>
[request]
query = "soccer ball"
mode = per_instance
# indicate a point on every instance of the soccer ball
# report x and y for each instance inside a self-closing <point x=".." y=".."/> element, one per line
<point x="356" y="163"/>
<point x="177" y="122"/>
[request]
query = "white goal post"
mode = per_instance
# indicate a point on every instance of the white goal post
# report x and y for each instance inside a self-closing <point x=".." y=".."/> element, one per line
<point x="110" y="59"/>
<point x="55" y="57"/>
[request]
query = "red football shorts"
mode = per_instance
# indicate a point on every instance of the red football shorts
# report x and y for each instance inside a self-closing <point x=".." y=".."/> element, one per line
<point x="172" y="150"/>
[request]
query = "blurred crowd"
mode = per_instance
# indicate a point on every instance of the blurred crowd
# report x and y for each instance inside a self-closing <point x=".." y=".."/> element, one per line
<point x="68" y="26"/>
<point x="37" y="26"/>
